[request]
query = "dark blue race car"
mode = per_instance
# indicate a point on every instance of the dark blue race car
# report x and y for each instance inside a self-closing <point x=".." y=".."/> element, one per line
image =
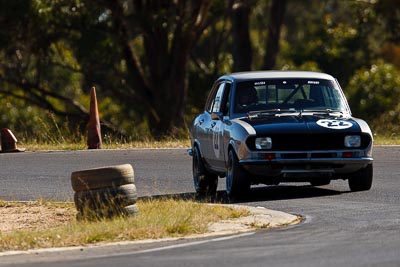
<point x="278" y="126"/>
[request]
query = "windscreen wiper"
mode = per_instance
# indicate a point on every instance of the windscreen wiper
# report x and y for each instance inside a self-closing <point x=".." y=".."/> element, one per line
<point x="327" y="112"/>
<point x="269" y="112"/>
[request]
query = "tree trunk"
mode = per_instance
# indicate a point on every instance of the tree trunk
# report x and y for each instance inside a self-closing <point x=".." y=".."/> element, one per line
<point x="274" y="29"/>
<point x="167" y="46"/>
<point x="170" y="100"/>
<point x="242" y="51"/>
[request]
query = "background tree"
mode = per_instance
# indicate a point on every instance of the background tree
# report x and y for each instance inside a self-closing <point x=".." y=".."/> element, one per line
<point x="153" y="61"/>
<point x="373" y="94"/>
<point x="242" y="50"/>
<point x="277" y="13"/>
<point x="36" y="67"/>
<point x="157" y="75"/>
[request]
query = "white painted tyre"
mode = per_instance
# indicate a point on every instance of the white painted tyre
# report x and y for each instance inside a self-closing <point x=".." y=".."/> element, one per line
<point x="111" y="197"/>
<point x="105" y="177"/>
<point x="131" y="210"/>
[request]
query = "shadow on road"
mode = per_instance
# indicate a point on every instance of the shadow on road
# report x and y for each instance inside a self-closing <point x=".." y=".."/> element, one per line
<point x="283" y="192"/>
<point x="267" y="193"/>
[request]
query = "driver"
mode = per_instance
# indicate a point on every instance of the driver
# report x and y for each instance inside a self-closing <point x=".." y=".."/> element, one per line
<point x="246" y="97"/>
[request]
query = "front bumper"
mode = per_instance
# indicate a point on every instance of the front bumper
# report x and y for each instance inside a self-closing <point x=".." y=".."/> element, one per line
<point x="305" y="163"/>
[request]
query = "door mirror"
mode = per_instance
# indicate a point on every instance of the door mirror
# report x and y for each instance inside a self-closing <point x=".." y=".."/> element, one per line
<point x="216" y="116"/>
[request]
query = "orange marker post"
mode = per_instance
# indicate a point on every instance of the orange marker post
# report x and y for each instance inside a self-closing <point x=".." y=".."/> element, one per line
<point x="94" y="132"/>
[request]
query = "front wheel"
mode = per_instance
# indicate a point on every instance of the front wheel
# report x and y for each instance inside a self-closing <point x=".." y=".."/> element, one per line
<point x="237" y="184"/>
<point x="205" y="183"/>
<point x="362" y="179"/>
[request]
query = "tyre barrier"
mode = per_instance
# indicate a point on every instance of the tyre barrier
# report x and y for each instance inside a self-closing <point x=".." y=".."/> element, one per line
<point x="105" y="192"/>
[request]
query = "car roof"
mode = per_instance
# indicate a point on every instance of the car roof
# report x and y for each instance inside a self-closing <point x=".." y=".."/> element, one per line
<point x="250" y="75"/>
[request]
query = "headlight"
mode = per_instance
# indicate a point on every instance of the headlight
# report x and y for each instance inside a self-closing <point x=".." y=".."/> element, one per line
<point x="352" y="141"/>
<point x="263" y="143"/>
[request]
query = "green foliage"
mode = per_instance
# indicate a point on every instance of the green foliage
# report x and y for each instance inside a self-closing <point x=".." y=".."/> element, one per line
<point x="11" y="116"/>
<point x="31" y="124"/>
<point x="53" y="51"/>
<point x="389" y="15"/>
<point x="374" y="94"/>
<point x="333" y="34"/>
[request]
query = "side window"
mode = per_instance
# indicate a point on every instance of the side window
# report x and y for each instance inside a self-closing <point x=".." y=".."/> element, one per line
<point x="218" y="98"/>
<point x="225" y="101"/>
<point x="211" y="98"/>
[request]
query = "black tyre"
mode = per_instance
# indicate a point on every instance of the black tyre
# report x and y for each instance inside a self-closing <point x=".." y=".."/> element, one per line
<point x="205" y="183"/>
<point x="237" y="182"/>
<point x="104" y="177"/>
<point x="362" y="180"/>
<point x="106" y="198"/>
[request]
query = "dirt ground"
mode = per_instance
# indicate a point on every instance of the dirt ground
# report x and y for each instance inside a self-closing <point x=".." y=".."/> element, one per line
<point x="20" y="216"/>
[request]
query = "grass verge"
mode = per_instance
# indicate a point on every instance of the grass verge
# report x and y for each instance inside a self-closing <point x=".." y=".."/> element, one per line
<point x="81" y="145"/>
<point x="54" y="224"/>
<point x="379" y="139"/>
<point x="392" y="139"/>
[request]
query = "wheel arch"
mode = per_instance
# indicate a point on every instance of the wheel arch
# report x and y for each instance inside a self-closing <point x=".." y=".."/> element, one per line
<point x="196" y="143"/>
<point x="231" y="146"/>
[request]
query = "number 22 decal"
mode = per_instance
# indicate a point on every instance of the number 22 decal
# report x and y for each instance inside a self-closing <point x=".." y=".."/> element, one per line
<point x="334" y="124"/>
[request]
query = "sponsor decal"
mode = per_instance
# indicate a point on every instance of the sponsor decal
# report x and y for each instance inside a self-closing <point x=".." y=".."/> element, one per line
<point x="313" y="82"/>
<point x="334" y="124"/>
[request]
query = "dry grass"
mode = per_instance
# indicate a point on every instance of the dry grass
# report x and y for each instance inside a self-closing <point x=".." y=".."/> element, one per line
<point x="393" y="139"/>
<point x="45" y="224"/>
<point x="379" y="139"/>
<point x="170" y="143"/>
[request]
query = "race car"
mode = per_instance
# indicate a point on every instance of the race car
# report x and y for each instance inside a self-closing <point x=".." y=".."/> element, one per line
<point x="268" y="127"/>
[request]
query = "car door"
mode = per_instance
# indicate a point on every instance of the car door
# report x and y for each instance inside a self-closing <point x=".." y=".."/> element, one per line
<point x="216" y="127"/>
<point x="202" y="125"/>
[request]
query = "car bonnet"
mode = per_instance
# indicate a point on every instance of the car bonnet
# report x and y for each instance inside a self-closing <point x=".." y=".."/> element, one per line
<point x="300" y="124"/>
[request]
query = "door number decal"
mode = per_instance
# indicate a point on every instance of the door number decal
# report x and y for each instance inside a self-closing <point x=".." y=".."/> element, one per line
<point x="216" y="141"/>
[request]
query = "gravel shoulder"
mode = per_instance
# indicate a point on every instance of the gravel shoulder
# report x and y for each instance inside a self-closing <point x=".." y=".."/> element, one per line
<point x="31" y="217"/>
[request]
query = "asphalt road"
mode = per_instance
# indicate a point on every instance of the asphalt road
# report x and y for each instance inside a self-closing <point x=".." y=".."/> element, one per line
<point x="340" y="228"/>
<point x="34" y="175"/>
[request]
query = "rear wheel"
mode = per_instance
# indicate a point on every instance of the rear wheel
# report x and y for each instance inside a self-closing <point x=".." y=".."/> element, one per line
<point x="362" y="180"/>
<point x="237" y="184"/>
<point x="205" y="183"/>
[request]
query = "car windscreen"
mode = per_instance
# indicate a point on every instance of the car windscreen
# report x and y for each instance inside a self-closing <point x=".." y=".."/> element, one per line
<point x="288" y="94"/>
